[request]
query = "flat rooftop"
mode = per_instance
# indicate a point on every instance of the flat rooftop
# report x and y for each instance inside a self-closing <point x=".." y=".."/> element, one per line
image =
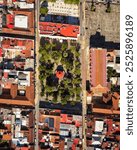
<point x="59" y="7"/>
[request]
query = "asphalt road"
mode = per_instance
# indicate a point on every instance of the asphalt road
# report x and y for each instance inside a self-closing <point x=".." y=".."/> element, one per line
<point x="37" y="91"/>
<point x="84" y="69"/>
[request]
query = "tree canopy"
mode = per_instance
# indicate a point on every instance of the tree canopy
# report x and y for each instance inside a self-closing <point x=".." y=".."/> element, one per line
<point x="53" y="55"/>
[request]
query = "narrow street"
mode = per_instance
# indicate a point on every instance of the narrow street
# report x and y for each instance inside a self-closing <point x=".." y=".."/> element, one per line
<point x="37" y="82"/>
<point x="83" y="69"/>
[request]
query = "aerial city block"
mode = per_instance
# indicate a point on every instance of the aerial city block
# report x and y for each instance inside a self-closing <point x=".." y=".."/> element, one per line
<point x="59" y="74"/>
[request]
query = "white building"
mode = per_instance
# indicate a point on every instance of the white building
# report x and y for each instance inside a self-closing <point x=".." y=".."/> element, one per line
<point x="114" y="64"/>
<point x="24" y="5"/>
<point x="21" y="21"/>
<point x="60" y="8"/>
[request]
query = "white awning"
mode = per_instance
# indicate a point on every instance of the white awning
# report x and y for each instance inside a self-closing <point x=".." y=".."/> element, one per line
<point x="96" y="143"/>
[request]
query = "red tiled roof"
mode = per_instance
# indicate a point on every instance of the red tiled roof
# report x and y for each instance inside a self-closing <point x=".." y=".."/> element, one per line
<point x="7" y="85"/>
<point x="20" y="43"/>
<point x="1" y="52"/>
<point x="105" y="111"/>
<point x="116" y="95"/>
<point x="73" y="147"/>
<point x="58" y="111"/>
<point x="11" y="26"/>
<point x="64" y="118"/>
<point x="40" y="131"/>
<point x="24" y="148"/>
<point x="23" y="51"/>
<point x="8" y="126"/>
<point x="42" y="140"/>
<point x="110" y="123"/>
<point x="6" y="74"/>
<point x="6" y="137"/>
<point x="116" y="148"/>
<point x="77" y="124"/>
<point x="10" y="20"/>
<point x="76" y="141"/>
<point x="66" y="30"/>
<point x="98" y="67"/>
<point x="115" y="100"/>
<point x="16" y="102"/>
<point x="59" y="74"/>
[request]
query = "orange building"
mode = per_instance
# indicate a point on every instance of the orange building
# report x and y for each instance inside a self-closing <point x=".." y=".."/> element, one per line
<point x="98" y="73"/>
<point x="98" y="67"/>
<point x="19" y="22"/>
<point x="16" y="82"/>
<point x="11" y="94"/>
<point x="108" y="105"/>
<point x="58" y="29"/>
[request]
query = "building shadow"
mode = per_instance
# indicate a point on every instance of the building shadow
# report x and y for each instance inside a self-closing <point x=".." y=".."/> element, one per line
<point x="99" y="41"/>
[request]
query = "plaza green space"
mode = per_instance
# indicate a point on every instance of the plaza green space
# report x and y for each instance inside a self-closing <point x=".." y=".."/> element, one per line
<point x="64" y="56"/>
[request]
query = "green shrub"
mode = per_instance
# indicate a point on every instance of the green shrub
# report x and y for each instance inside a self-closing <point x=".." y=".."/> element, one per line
<point x="65" y="54"/>
<point x="55" y="55"/>
<point x="44" y="10"/>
